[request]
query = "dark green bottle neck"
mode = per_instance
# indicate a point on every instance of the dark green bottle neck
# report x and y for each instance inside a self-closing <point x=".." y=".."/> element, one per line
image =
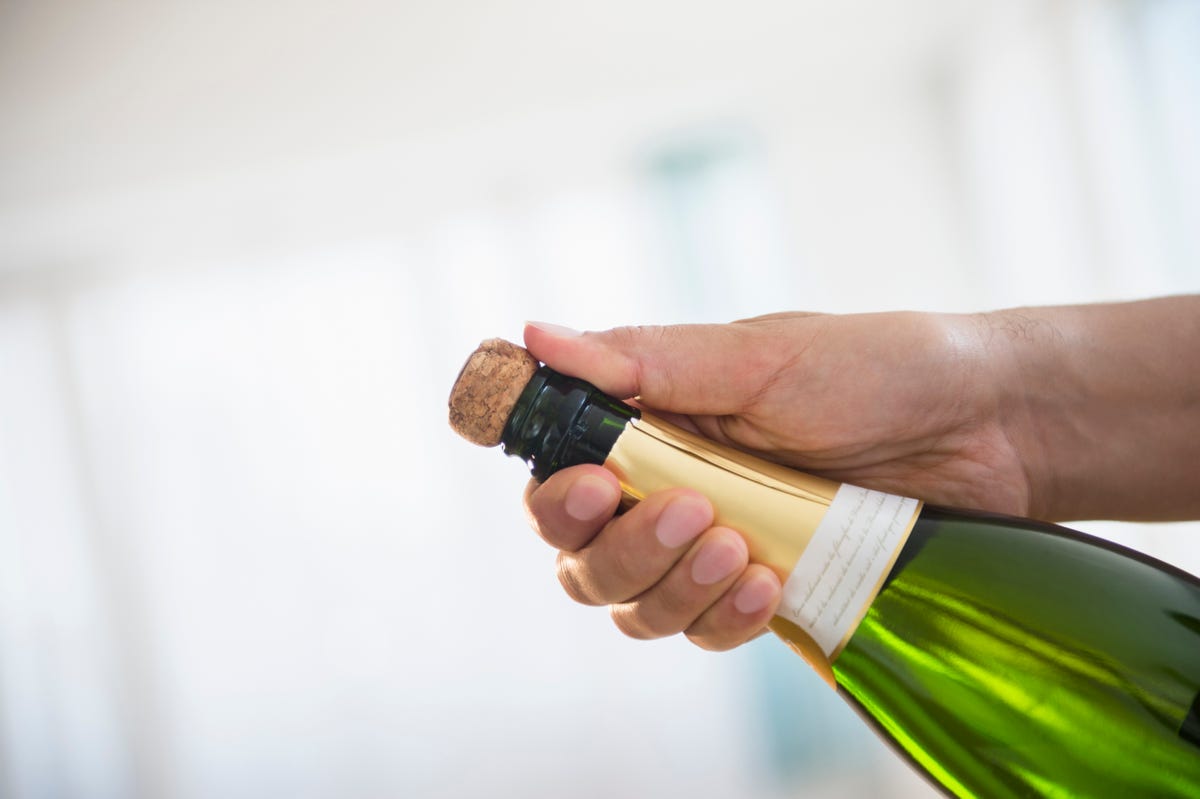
<point x="562" y="421"/>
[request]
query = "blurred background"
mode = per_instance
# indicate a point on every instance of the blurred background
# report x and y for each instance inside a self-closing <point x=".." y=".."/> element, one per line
<point x="245" y="248"/>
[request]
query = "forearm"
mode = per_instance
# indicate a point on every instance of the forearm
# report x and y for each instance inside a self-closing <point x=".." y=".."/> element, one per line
<point x="1103" y="402"/>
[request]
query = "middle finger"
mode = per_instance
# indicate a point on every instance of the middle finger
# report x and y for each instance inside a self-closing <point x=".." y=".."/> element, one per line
<point x="635" y="550"/>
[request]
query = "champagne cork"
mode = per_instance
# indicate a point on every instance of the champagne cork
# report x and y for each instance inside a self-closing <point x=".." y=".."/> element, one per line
<point x="488" y="388"/>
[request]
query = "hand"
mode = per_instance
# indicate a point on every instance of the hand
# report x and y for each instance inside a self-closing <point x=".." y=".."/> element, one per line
<point x="1057" y="413"/>
<point x="908" y="403"/>
<point x="889" y="401"/>
<point x="661" y="566"/>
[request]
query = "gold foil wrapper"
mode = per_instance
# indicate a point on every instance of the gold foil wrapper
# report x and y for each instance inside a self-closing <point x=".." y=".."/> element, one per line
<point x="775" y="508"/>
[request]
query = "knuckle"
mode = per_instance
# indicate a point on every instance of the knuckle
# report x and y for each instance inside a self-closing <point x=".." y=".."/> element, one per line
<point x="567" y="570"/>
<point x="708" y="643"/>
<point x="677" y="609"/>
<point x="627" y="565"/>
<point x="661" y="628"/>
<point x="629" y="622"/>
<point x="629" y="336"/>
<point x="536" y="524"/>
<point x="714" y="638"/>
<point x="655" y="616"/>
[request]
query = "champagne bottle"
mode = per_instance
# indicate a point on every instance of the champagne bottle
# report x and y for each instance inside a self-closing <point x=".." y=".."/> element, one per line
<point x="1002" y="657"/>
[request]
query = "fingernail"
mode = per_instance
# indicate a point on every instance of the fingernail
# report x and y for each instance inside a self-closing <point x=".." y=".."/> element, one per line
<point x="555" y="330"/>
<point x="683" y="519"/>
<point x="715" y="561"/>
<point x="589" y="497"/>
<point x="756" y="594"/>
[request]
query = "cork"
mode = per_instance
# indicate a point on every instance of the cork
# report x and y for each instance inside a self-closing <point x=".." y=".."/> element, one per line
<point x="487" y="389"/>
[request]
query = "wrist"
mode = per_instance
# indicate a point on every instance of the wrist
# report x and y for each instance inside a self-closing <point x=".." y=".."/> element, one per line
<point x="1026" y="352"/>
<point x="1099" y="402"/>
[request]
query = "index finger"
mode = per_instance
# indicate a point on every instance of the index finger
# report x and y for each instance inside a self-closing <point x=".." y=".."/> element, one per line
<point x="570" y="507"/>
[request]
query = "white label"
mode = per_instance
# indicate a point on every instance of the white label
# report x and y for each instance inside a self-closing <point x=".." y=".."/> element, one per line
<point x="843" y="565"/>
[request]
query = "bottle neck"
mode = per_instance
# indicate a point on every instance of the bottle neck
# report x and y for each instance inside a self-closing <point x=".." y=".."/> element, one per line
<point x="562" y="421"/>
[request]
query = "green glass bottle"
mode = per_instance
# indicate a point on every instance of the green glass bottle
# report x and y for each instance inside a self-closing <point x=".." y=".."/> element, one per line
<point x="1002" y="657"/>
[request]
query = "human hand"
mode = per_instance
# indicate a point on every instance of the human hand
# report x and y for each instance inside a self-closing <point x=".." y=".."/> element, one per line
<point x="900" y="402"/>
<point x="1068" y="412"/>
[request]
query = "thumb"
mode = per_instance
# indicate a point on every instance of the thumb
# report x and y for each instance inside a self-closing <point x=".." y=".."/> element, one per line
<point x="691" y="369"/>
